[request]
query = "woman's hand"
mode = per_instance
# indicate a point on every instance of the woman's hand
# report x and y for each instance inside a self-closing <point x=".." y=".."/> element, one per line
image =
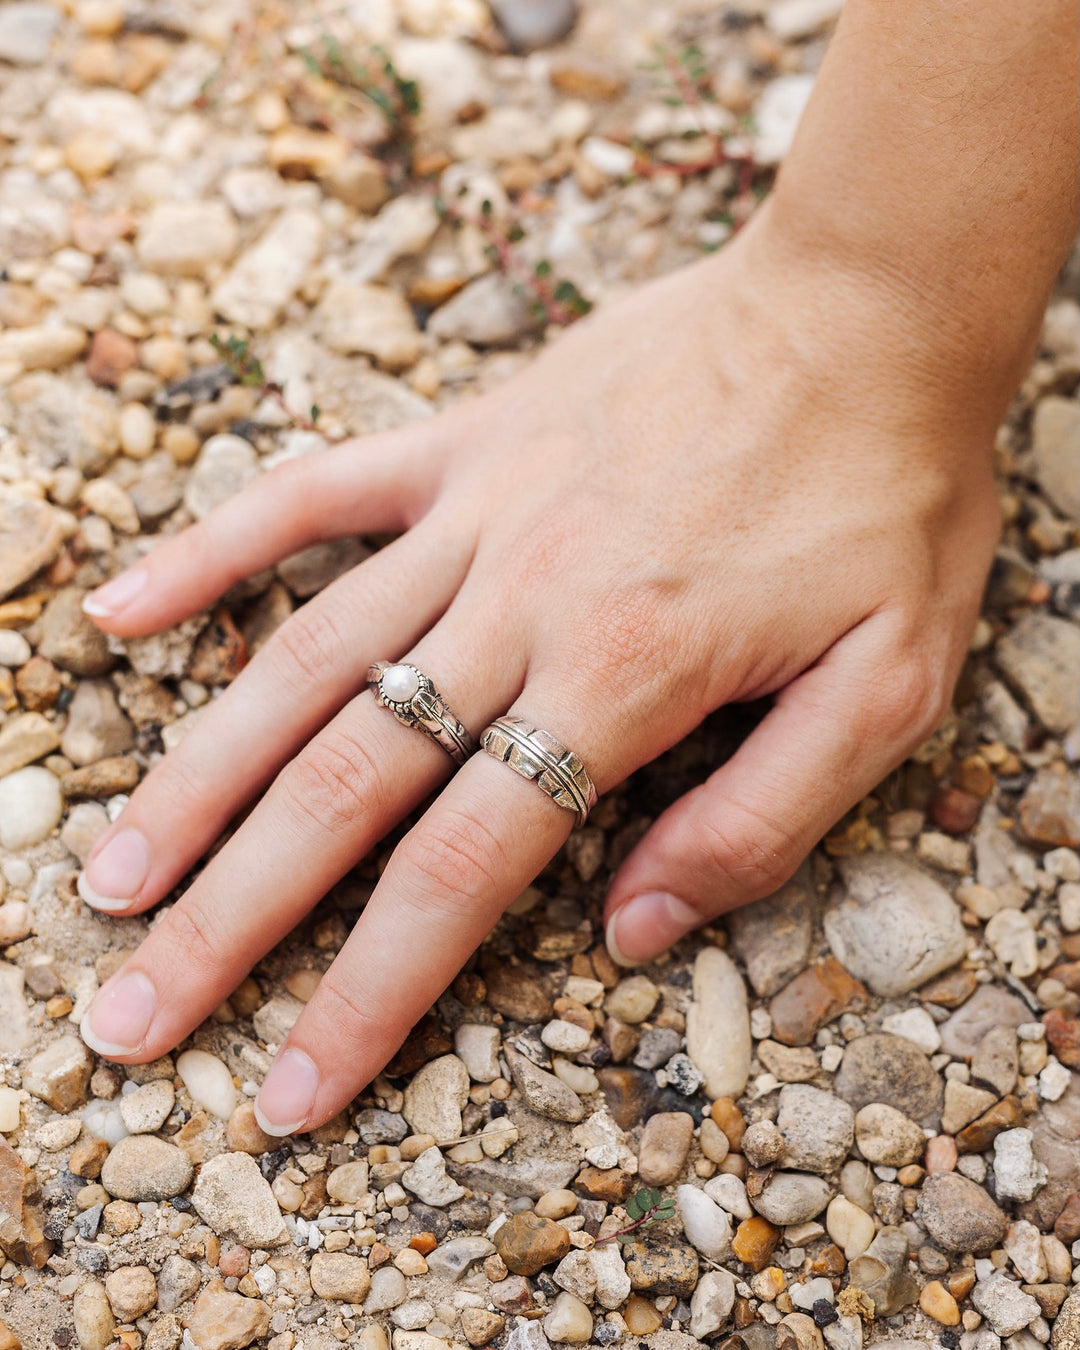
<point x="751" y="478"/>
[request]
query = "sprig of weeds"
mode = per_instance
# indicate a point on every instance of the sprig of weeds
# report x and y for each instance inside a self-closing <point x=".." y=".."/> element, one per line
<point x="247" y="369"/>
<point x="644" y="1207"/>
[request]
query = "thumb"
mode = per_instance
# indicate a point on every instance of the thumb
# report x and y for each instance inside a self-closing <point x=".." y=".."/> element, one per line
<point x="831" y="736"/>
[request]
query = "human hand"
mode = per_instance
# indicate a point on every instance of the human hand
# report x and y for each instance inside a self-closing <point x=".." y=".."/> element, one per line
<point x="754" y="477"/>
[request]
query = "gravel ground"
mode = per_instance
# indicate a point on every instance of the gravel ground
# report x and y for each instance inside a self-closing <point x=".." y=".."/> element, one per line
<point x="856" y="1103"/>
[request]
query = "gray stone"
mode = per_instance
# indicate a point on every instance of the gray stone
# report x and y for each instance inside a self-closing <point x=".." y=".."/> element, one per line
<point x="96" y="725"/>
<point x="995" y="1060"/>
<point x="488" y="312"/>
<point x="718" y="1024"/>
<point x="381" y="1127"/>
<point x="1004" y="1304"/>
<point x="436" y="1096"/>
<point x="143" y="1167"/>
<point x="178" y="1281"/>
<point x="772" y="936"/>
<point x="959" y="1215"/>
<point x="226" y="464"/>
<point x="1055" y="434"/>
<point x="30" y="531"/>
<point x="542" y="1091"/>
<point x="1040" y="657"/>
<point x="454" y="1258"/>
<point x="427" y="1180"/>
<point x="893" y="926"/>
<point x="27" y="28"/>
<point x="792" y="1197"/>
<point x="1017" y="1172"/>
<point x="890" y="1069"/>
<point x="989" y="1006"/>
<point x="818" y="1128"/>
<point x="530" y="24"/>
<point x="235" y="1199"/>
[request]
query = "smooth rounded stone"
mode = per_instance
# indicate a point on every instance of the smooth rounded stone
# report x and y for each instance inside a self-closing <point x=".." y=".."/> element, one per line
<point x="477" y="1047"/>
<point x="436" y="1097"/>
<point x="31" y="533"/>
<point x="892" y="925"/>
<point x="244" y="1134"/>
<point x="792" y="1197"/>
<point x="427" y="1180"/>
<point x="527" y="1243"/>
<point x="711" y="1303"/>
<point x="556" y="1204"/>
<point x="487" y="312"/>
<point x="147" y="1108"/>
<point x="454" y="1258"/>
<point x="914" y="1024"/>
<point x="143" y="1167"/>
<point x="93" y="1316"/>
<point x="530" y="24"/>
<point x="713" y="1141"/>
<point x="996" y="1058"/>
<point x="885" y="1135"/>
<point x="348" y="1184"/>
<point x="1066" y="1332"/>
<point x="185" y="238"/>
<point x="27" y="28"/>
<point x="632" y="999"/>
<point x="729" y="1192"/>
<point x="762" y="1143"/>
<point x="889" y="1069"/>
<point x="718" y="1024"/>
<point x="569" y="1322"/>
<point x="16" y="922"/>
<point x="221" y="1320"/>
<point x="1004" y="1304"/>
<point x="388" y="1290"/>
<point x="341" y="1276"/>
<point x="1040" y="658"/>
<point x="772" y="936"/>
<point x="849" y="1226"/>
<point x="818" y="1128"/>
<point x="233" y="1197"/>
<point x="959" y="1215"/>
<point x="664" y="1145"/>
<point x="542" y="1091"/>
<point x="208" y="1081"/>
<point x="566" y="1038"/>
<point x="661" y="1265"/>
<point x="1018" y="1174"/>
<point x="31" y="805"/>
<point x="177" y="1282"/>
<point x="137" y="429"/>
<point x="132" y="1291"/>
<point x="706" y="1225"/>
<point x="225" y="465"/>
<point x="14" y="648"/>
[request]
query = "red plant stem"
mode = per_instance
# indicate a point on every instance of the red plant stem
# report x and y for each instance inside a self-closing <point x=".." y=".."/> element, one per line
<point x="622" y="1232"/>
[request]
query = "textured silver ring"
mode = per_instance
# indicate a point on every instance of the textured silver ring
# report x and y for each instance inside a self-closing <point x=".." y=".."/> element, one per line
<point x="536" y="754"/>
<point x="415" y="702"/>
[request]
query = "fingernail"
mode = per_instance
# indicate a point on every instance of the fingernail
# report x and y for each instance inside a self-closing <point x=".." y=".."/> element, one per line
<point x="119" y="1018"/>
<point x="109" y="599"/>
<point x="113" y="877"/>
<point x="646" y="925"/>
<point x="288" y="1093"/>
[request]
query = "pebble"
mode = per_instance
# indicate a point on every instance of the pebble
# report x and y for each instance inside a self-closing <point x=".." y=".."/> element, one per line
<point x="1066" y="1331"/>
<point x="893" y="926"/>
<point x="480" y="1326"/>
<point x="776" y="115"/>
<point x="569" y="1322"/>
<point x="542" y="1091"/>
<point x="60" y="1074"/>
<point x="792" y="1197"/>
<point x="612" y="1282"/>
<point x="454" y="1258"/>
<point x="890" y="1069"/>
<point x="24" y="1240"/>
<point x="1040" y="657"/>
<point x="705" y="1224"/>
<point x="27" y="28"/>
<point x="1055" y="431"/>
<point x="226" y="464"/>
<point x="341" y="1276"/>
<point x="355" y="318"/>
<point x="959" y="1215"/>
<point x="882" y="1272"/>
<point x="915" y="1025"/>
<point x="436" y="1096"/>
<point x="763" y="1143"/>
<point x="817" y="996"/>
<point x="143" y="1167"/>
<point x="267" y="274"/>
<point x="1050" y="809"/>
<point x="1023" y="1242"/>
<point x="632" y="1000"/>
<point x="186" y="238"/>
<point x="427" y="1180"/>
<point x="14" y="648"/>
<point x="712" y="1302"/>
<point x="31" y="805"/>
<point x="31" y="534"/>
<point x="208" y="1082"/>
<point x="1004" y="1304"/>
<point x="849" y="1226"/>
<point x="96" y="726"/>
<point x="565" y="1038"/>
<point x="527" y="1243"/>
<point x="221" y="1320"/>
<point x="93" y="1316"/>
<point x="477" y="1047"/>
<point x="233" y="1197"/>
<point x="718" y="1024"/>
<point x="1011" y="938"/>
<point x="661" y="1265"/>
<point x="131" y="1291"/>
<point x="527" y="25"/>
<point x="488" y="312"/>
<point x="664" y="1145"/>
<point x="1017" y="1172"/>
<point x="885" y="1135"/>
<point x="729" y="1192"/>
<point x="387" y="1290"/>
<point x="147" y="1108"/>
<point x="936" y="1301"/>
<point x="990" y="1006"/>
<point x="817" y="1128"/>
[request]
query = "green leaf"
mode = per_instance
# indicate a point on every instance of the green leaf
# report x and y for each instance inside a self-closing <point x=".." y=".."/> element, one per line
<point x="542" y="268"/>
<point x="624" y="1238"/>
<point x="635" y="1207"/>
<point x="486" y="208"/>
<point x="315" y="410"/>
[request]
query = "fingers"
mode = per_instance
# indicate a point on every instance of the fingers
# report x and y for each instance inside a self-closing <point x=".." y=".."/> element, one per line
<point x="324" y="811"/>
<point x="474" y="851"/>
<point x="830" y="737"/>
<point x="311" y="666"/>
<point x="382" y="483"/>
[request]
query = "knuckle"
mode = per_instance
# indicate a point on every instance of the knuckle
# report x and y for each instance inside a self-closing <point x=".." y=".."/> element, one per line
<point x="453" y="866"/>
<point x="305" y="647"/>
<point x="333" y="781"/>
<point x="343" y="1009"/>
<point x="191" y="931"/>
<point x="751" y="853"/>
<point x="916" y="700"/>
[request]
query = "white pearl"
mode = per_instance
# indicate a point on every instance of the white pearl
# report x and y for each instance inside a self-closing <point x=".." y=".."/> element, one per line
<point x="399" y="683"/>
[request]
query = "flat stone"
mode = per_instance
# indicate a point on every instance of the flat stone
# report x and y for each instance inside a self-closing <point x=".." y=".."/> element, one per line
<point x="817" y="1127"/>
<point x="265" y="277"/>
<point x="893" y="925"/>
<point x="60" y="1074"/>
<point x="1055" y="434"/>
<point x="995" y="1061"/>
<point x="177" y="1282"/>
<point x="488" y="312"/>
<point x="143" y="1167"/>
<point x="147" y="1108"/>
<point x="25" y="738"/>
<point x="959" y="1215"/>
<point x="22" y="1238"/>
<point x="1050" y="809"/>
<point x="963" y="1104"/>
<point x="340" y="1275"/>
<point x="436" y="1096"/>
<point x="889" y="1069"/>
<point x="226" y="464"/>
<point x="817" y="996"/>
<point x="632" y="999"/>
<point x="718" y="1024"/>
<point x="990" y="1006"/>
<point x="357" y="318"/>
<point x="186" y="238"/>
<point x="664" y="1145"/>
<point x="792" y="1197"/>
<point x="233" y="1197"/>
<point x="1004" y="1304"/>
<point x="224" y="1321"/>
<point x="885" y="1135"/>
<point x="1006" y="1114"/>
<point x="772" y="936"/>
<point x="541" y="1091"/>
<point x="516" y="989"/>
<point x="711" y="1303"/>
<point x="452" y="1259"/>
<point x="387" y="1290"/>
<point x="1040" y="657"/>
<point x="1017" y="1172"/>
<point x="477" y="1046"/>
<point x="661" y="1265"/>
<point x="527" y="1243"/>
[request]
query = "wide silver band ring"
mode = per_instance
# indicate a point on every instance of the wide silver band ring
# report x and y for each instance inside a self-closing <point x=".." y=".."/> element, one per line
<point x="536" y="754"/>
<point x="415" y="702"/>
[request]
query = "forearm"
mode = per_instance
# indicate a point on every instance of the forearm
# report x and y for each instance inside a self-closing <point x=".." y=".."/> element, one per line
<point x="938" y="157"/>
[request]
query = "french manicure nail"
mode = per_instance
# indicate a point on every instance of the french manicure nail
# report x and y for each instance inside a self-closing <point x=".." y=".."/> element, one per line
<point x="288" y="1092"/>
<point x="113" y="876"/>
<point x="648" y="924"/>
<point x="109" y="599"/>
<point x="119" y="1018"/>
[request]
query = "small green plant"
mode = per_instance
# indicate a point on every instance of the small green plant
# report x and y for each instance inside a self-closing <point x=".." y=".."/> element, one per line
<point x="247" y="369"/>
<point x="644" y="1207"/>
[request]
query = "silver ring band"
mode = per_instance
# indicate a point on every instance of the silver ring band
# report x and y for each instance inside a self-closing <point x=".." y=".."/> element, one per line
<point x="536" y="754"/>
<point x="415" y="702"/>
